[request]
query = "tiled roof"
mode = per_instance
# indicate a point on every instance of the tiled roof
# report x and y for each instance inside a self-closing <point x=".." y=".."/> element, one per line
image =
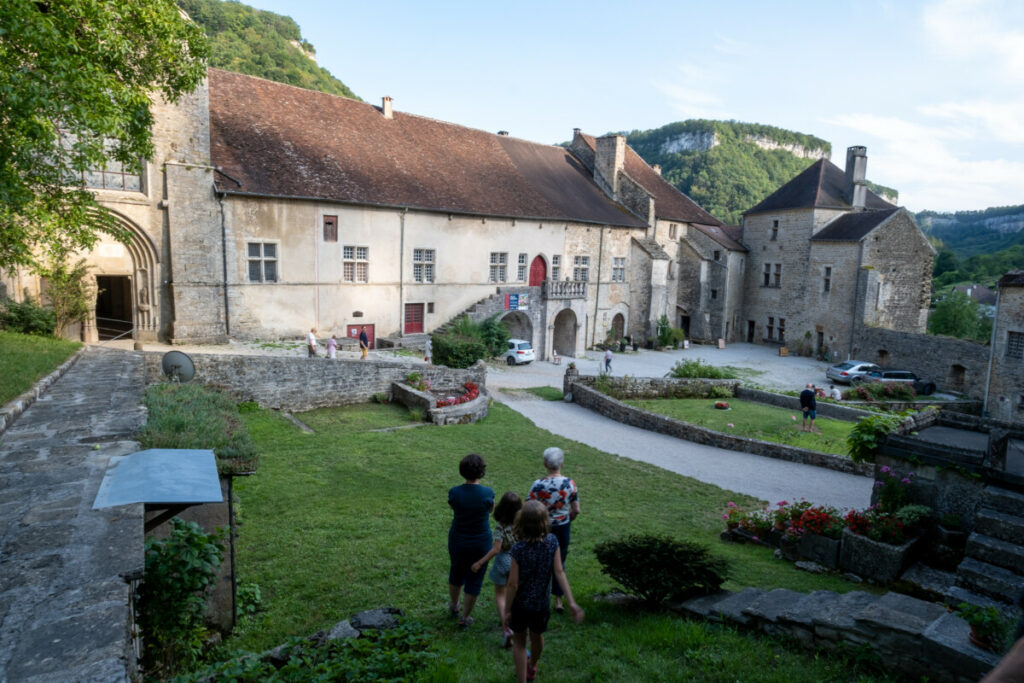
<point x="1012" y="279"/>
<point x="726" y="235"/>
<point x="669" y="203"/>
<point x="821" y="186"/>
<point x="851" y="227"/>
<point x="280" y="140"/>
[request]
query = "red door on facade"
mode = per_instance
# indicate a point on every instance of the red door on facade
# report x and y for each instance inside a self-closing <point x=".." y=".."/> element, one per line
<point x="538" y="271"/>
<point x="352" y="332"/>
<point x="413" y="318"/>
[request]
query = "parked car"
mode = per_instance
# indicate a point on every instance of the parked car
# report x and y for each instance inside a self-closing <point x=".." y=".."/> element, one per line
<point x="850" y="370"/>
<point x="921" y="386"/>
<point x="519" y="352"/>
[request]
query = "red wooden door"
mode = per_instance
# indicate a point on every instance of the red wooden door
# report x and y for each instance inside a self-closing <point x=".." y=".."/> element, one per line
<point x="538" y="272"/>
<point x="413" y="318"/>
<point x="353" y="333"/>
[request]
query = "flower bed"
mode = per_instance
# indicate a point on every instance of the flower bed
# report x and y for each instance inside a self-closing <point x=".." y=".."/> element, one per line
<point x="472" y="391"/>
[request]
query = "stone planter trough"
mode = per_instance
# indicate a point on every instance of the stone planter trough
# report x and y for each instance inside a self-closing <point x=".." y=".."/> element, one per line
<point x="820" y="549"/>
<point x="880" y="562"/>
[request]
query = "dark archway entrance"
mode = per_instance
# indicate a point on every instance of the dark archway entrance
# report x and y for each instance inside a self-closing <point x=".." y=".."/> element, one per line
<point x="538" y="272"/>
<point x="564" y="340"/>
<point x="618" y="326"/>
<point x="519" y="326"/>
<point x="113" y="305"/>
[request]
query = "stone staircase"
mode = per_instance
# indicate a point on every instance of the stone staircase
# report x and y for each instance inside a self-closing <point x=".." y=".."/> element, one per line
<point x="488" y="306"/>
<point x="994" y="561"/>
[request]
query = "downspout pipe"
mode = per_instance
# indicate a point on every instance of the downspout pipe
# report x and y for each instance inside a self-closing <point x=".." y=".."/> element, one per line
<point x="224" y="260"/>
<point x="597" y="288"/>
<point x="401" y="273"/>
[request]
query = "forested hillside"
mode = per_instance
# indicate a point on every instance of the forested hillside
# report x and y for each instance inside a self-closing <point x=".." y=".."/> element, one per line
<point x="727" y="167"/>
<point x="258" y="43"/>
<point x="975" y="246"/>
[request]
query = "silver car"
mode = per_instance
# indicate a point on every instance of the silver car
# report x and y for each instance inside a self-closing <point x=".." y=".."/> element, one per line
<point x="850" y="371"/>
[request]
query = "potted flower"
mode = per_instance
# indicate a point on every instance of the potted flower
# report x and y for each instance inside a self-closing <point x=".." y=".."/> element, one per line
<point x="757" y="526"/>
<point x="822" y="533"/>
<point x="877" y="545"/>
<point x="987" y="625"/>
<point x="732" y="516"/>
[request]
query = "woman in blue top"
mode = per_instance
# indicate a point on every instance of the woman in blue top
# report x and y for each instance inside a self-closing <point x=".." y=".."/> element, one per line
<point x="469" y="538"/>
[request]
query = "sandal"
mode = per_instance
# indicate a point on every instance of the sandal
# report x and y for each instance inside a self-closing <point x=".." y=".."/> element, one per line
<point x="466" y="622"/>
<point x="453" y="610"/>
<point x="506" y="640"/>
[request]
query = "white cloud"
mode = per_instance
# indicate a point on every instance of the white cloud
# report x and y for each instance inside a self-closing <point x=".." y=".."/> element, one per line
<point x="1003" y="121"/>
<point x="989" y="30"/>
<point x="919" y="160"/>
<point x="695" y="94"/>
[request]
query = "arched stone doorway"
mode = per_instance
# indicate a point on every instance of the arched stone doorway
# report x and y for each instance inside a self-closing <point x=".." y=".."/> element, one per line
<point x="618" y="326"/>
<point x="538" y="272"/>
<point x="564" y="339"/>
<point x="519" y="326"/>
<point x="126" y="276"/>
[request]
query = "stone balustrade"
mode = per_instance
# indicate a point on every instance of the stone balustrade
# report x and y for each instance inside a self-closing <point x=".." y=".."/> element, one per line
<point x="565" y="289"/>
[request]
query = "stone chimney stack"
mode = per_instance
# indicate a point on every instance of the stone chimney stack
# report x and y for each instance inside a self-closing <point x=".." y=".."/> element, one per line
<point x="385" y="108"/>
<point x="609" y="162"/>
<point x="856" y="170"/>
<point x="657" y="168"/>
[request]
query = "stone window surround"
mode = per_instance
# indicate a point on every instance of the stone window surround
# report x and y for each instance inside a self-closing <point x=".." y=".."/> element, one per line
<point x="423" y="261"/>
<point x="618" y="269"/>
<point x="521" y="264"/>
<point x="772" y="275"/>
<point x="581" y="268"/>
<point x="827" y="279"/>
<point x="355" y="263"/>
<point x="498" y="267"/>
<point x="1015" y="344"/>
<point x="775" y="229"/>
<point x="556" y="266"/>
<point x="260" y="258"/>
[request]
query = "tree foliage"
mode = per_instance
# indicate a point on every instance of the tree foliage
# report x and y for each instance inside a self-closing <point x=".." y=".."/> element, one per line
<point x="76" y="77"/>
<point x="71" y="293"/>
<point x="958" y="315"/>
<point x="259" y="43"/>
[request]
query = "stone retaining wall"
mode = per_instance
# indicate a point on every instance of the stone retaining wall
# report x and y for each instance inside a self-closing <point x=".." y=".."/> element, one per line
<point x="832" y="410"/>
<point x="288" y="383"/>
<point x="620" y="412"/>
<point x="10" y="411"/>
<point x="917" y="638"/>
<point x="462" y="413"/>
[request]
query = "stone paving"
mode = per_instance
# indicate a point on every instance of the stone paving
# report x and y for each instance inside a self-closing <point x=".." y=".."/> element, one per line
<point x="64" y="604"/>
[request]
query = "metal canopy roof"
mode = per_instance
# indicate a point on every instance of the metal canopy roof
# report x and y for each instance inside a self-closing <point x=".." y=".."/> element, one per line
<point x="174" y="476"/>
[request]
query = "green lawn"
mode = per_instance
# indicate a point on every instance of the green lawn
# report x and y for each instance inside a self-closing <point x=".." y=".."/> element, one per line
<point x="755" y="421"/>
<point x="25" y="359"/>
<point x="348" y="519"/>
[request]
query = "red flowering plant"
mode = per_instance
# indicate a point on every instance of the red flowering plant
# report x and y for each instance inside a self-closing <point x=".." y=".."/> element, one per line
<point x="822" y="520"/>
<point x="877" y="525"/>
<point x="472" y="391"/>
<point x="786" y="513"/>
<point x="733" y="514"/>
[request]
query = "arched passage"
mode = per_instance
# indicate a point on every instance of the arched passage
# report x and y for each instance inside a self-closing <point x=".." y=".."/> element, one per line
<point x="618" y="326"/>
<point x="519" y="326"/>
<point x="564" y="339"/>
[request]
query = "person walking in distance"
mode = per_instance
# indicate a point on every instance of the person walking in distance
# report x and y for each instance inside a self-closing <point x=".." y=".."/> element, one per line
<point x="332" y="347"/>
<point x="311" y="342"/>
<point x="809" y="406"/>
<point x="608" y="361"/>
<point x="364" y="341"/>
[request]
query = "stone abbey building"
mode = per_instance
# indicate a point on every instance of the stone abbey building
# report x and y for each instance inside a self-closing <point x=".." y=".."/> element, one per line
<point x="269" y="209"/>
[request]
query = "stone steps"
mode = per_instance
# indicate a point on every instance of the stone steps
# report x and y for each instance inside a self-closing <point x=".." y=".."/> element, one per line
<point x="1001" y="525"/>
<point x="988" y="579"/>
<point x="995" y="551"/>
<point x="1003" y="500"/>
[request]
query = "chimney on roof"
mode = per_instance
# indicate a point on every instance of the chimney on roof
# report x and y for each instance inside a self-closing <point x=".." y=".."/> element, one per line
<point x="385" y="108"/>
<point x="856" y="168"/>
<point x="575" y="132"/>
<point x="503" y="132"/>
<point x="657" y="168"/>
<point x="609" y="162"/>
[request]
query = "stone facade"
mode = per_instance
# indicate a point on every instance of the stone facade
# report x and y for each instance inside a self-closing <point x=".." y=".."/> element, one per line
<point x="1004" y="396"/>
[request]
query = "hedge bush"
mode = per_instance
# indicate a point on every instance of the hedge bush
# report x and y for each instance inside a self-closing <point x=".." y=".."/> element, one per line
<point x="27" y="317"/>
<point x="695" y="369"/>
<point x="660" y="568"/>
<point x="457" y="351"/>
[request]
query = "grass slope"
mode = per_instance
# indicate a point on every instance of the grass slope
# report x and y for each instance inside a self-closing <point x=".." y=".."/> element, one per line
<point x="754" y="421"/>
<point x="26" y="359"/>
<point x="348" y="519"/>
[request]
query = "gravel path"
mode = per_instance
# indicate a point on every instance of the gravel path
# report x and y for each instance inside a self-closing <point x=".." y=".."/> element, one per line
<point x="765" y="478"/>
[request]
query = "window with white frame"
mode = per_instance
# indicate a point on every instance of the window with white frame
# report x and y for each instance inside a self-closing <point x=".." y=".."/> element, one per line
<point x="355" y="263"/>
<point x="262" y="261"/>
<point x="556" y="267"/>
<point x="619" y="269"/>
<point x="778" y="275"/>
<point x="1015" y="345"/>
<point x="581" y="268"/>
<point x="112" y="175"/>
<point x="499" y="266"/>
<point x="423" y="265"/>
<point x="521" y="269"/>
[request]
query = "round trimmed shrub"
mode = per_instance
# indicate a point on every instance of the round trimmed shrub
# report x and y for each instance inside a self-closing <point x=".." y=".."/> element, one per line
<point x="660" y="568"/>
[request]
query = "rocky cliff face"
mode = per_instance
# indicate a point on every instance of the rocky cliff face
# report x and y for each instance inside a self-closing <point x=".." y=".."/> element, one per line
<point x="703" y="141"/>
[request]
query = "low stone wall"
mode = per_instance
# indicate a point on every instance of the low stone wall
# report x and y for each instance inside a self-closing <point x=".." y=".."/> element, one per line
<point x="463" y="413"/>
<point x="915" y="637"/>
<point x="832" y="410"/>
<point x="289" y="383"/>
<point x="617" y="410"/>
<point x="10" y="411"/>
<point x="413" y="399"/>
<point x="639" y="388"/>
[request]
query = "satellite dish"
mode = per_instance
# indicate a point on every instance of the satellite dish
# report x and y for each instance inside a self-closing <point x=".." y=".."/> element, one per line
<point x="178" y="367"/>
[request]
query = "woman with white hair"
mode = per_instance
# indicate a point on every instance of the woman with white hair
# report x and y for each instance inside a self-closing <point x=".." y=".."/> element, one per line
<point x="558" y="493"/>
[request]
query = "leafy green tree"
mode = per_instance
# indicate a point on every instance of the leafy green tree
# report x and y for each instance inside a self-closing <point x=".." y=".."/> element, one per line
<point x="945" y="261"/>
<point x="71" y="293"/>
<point x="957" y="315"/>
<point x="76" y="77"/>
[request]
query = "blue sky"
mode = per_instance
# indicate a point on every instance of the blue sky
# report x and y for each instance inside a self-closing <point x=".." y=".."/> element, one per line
<point x="934" y="89"/>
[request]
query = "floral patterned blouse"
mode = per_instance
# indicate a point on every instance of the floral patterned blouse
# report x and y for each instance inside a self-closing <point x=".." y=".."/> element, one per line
<point x="558" y="494"/>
